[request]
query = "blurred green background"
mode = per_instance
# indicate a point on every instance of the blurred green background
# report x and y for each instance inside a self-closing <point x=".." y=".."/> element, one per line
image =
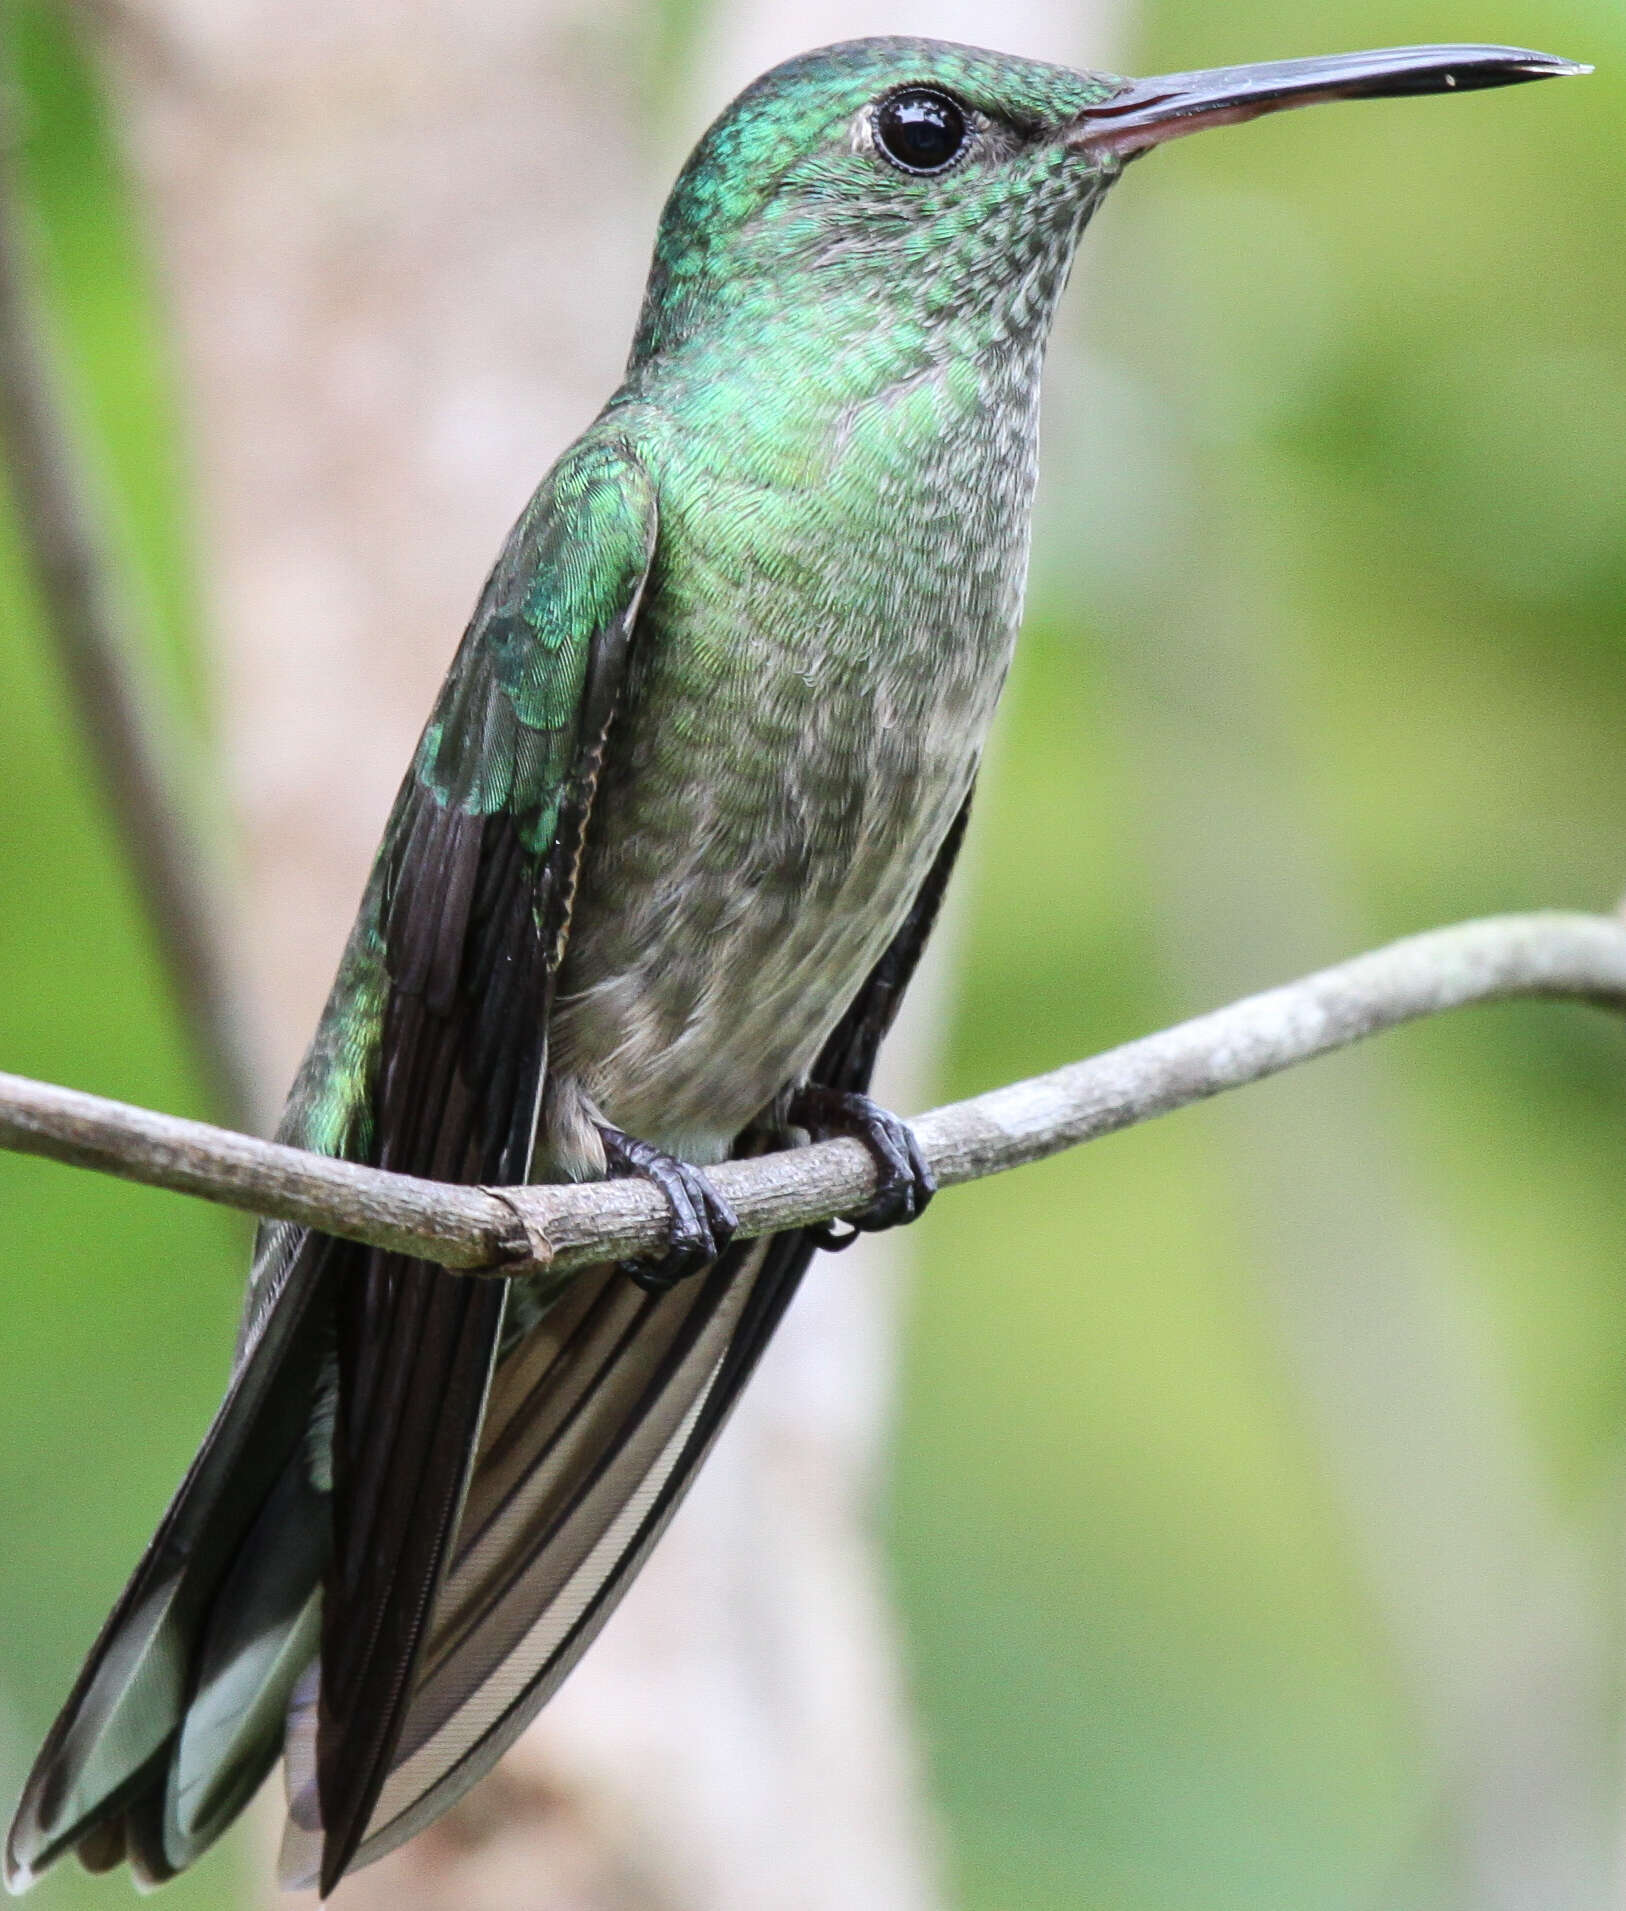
<point x="1256" y="1513"/>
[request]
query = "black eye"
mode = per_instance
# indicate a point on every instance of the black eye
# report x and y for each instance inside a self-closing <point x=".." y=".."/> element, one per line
<point x="920" y="130"/>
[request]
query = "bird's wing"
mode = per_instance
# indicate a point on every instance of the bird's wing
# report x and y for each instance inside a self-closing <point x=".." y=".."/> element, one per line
<point x="428" y="1060"/>
<point x="597" y="1423"/>
<point x="479" y="866"/>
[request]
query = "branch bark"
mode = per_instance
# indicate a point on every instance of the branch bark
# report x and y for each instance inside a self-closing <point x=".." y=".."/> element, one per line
<point x="517" y="1230"/>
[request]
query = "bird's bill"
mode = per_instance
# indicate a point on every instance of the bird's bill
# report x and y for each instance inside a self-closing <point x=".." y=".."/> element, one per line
<point x="1144" y="113"/>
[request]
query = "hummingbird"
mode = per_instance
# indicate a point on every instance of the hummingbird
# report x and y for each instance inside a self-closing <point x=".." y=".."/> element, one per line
<point x="665" y="858"/>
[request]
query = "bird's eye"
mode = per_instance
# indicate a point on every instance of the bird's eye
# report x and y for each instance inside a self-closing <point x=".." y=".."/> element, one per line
<point x="921" y="130"/>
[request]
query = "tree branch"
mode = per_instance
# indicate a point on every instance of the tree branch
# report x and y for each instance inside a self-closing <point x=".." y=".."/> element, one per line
<point x="516" y="1230"/>
<point x="129" y="745"/>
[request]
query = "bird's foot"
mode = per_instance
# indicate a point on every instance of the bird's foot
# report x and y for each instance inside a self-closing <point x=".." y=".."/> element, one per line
<point x="703" y="1223"/>
<point x="907" y="1182"/>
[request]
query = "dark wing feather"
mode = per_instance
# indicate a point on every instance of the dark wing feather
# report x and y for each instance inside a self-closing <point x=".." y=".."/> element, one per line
<point x="847" y="1060"/>
<point x="104" y="1764"/>
<point x="479" y="873"/>
<point x="597" y="1423"/>
<point x="428" y="1058"/>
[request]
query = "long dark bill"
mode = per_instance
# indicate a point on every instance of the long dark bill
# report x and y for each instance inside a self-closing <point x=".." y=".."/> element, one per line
<point x="1147" y="112"/>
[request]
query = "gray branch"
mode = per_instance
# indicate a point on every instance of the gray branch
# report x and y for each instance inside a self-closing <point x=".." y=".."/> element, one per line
<point x="515" y="1230"/>
<point x="129" y="743"/>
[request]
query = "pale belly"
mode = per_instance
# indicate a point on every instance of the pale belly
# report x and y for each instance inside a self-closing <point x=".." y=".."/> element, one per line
<point x="751" y="856"/>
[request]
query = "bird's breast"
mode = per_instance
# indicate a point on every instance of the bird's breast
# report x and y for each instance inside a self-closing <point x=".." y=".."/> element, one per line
<point x="813" y="675"/>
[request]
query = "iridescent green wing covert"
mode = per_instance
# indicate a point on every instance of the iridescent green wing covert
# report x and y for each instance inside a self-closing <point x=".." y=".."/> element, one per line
<point x="479" y="867"/>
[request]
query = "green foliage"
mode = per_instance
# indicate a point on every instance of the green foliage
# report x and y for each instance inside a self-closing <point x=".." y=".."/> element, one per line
<point x="117" y="1303"/>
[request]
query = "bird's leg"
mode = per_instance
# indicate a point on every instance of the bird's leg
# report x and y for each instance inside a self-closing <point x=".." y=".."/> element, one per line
<point x="703" y="1223"/>
<point x="907" y="1182"/>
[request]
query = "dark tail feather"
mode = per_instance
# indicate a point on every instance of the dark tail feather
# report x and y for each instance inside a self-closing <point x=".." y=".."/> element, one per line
<point x="176" y="1716"/>
<point x="404" y="1447"/>
<point x="596" y="1426"/>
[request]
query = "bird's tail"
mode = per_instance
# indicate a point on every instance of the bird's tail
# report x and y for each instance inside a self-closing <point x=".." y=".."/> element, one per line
<point x="177" y="1715"/>
<point x="597" y="1421"/>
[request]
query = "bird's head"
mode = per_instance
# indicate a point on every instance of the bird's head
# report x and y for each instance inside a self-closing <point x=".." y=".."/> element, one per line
<point x="933" y="181"/>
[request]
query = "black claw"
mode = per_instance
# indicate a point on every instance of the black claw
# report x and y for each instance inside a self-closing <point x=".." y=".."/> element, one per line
<point x="703" y="1223"/>
<point x="907" y="1182"/>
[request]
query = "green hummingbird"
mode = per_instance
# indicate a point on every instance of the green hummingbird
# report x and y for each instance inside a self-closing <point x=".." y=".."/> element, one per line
<point x="654" y="885"/>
